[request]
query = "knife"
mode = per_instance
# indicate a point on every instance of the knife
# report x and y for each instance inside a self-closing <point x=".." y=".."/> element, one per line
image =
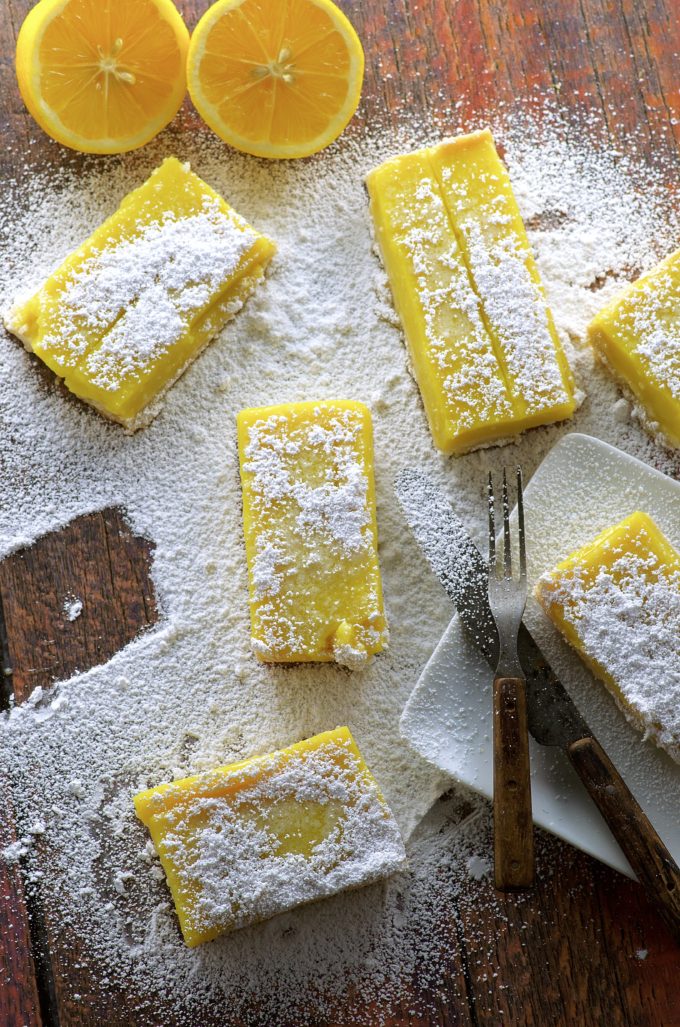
<point x="552" y="714"/>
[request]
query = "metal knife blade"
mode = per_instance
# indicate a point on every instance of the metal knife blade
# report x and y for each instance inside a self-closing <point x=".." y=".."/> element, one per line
<point x="462" y="570"/>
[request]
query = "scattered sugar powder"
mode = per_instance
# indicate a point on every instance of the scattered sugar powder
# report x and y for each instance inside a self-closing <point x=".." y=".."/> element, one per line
<point x="190" y="696"/>
<point x="72" y="607"/>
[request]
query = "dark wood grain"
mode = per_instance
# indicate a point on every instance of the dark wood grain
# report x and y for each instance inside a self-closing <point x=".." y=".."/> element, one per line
<point x="644" y="849"/>
<point x="95" y="559"/>
<point x="513" y="830"/>
<point x="99" y="560"/>
<point x="585" y="947"/>
<point x="19" y="1001"/>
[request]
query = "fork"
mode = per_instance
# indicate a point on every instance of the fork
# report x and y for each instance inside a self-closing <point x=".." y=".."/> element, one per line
<point x="513" y="826"/>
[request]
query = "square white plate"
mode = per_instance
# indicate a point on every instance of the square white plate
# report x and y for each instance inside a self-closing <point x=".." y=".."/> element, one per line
<point x="581" y="487"/>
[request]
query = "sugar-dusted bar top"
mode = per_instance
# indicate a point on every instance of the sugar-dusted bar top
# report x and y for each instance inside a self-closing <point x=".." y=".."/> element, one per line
<point x="310" y="532"/>
<point x="481" y="337"/>
<point x="131" y="308"/>
<point x="637" y="336"/>
<point x="617" y="601"/>
<point x="242" y="843"/>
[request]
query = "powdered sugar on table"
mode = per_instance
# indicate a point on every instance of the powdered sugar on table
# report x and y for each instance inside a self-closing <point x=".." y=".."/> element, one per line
<point x="189" y="695"/>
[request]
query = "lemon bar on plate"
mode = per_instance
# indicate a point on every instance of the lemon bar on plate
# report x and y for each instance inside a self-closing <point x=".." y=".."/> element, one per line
<point x="128" y="311"/>
<point x="617" y="601"/>
<point x="637" y="336"/>
<point x="481" y="338"/>
<point x="242" y="843"/>
<point x="310" y="532"/>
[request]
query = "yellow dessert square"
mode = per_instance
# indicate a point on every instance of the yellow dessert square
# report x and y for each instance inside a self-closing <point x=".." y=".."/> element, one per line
<point x="617" y="601"/>
<point x="131" y="308"/>
<point x="481" y="337"/>
<point x="637" y="336"/>
<point x="310" y="532"/>
<point x="242" y="843"/>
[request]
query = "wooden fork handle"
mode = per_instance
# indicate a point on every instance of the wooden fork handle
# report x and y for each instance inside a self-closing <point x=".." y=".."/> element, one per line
<point x="512" y="822"/>
<point x="656" y="869"/>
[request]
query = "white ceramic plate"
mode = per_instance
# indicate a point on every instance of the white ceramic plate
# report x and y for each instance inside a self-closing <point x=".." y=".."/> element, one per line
<point x="581" y="487"/>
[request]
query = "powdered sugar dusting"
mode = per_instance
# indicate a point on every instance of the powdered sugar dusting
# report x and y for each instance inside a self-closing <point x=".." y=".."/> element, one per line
<point x="656" y="323"/>
<point x="310" y="535"/>
<point x="189" y="696"/>
<point x="261" y="840"/>
<point x="513" y="302"/>
<point x="73" y="607"/>
<point x="628" y="620"/>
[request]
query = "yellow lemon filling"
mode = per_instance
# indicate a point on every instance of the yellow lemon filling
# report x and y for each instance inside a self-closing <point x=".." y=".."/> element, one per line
<point x="617" y="602"/>
<point x="637" y="336"/>
<point x="132" y="307"/>
<point x="481" y="337"/>
<point x="242" y="843"/>
<point x="310" y="531"/>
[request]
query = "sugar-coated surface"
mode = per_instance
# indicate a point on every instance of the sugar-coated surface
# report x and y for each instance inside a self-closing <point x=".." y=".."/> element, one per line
<point x="482" y="207"/>
<point x="246" y="843"/>
<point x="622" y="601"/>
<point x="637" y="335"/>
<point x="309" y="521"/>
<point x="484" y="347"/>
<point x="440" y="311"/>
<point x="189" y="696"/>
<point x="121" y="315"/>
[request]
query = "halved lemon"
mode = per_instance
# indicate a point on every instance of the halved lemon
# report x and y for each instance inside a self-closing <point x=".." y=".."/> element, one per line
<point x="103" y="76"/>
<point x="275" y="78"/>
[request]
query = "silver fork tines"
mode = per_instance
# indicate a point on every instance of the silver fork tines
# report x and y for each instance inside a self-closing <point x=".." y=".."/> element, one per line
<point x="507" y="595"/>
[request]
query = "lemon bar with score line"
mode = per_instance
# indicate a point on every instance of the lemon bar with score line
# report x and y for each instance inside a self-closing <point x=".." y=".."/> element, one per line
<point x="617" y="601"/>
<point x="128" y="311"/>
<point x="310" y="532"/>
<point x="481" y="337"/>
<point x="242" y="843"/>
<point x="637" y="336"/>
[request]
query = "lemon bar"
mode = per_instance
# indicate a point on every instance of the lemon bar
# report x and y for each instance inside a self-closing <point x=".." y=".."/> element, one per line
<point x="129" y="310"/>
<point x="481" y="337"/>
<point x="617" y="601"/>
<point x="310" y="532"/>
<point x="637" y="336"/>
<point x="242" y="843"/>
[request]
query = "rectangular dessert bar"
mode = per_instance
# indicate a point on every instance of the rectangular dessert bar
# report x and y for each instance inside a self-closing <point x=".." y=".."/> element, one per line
<point x="481" y="338"/>
<point x="131" y="308"/>
<point x="310" y="532"/>
<point x="637" y="336"/>
<point x="617" y="601"/>
<point x="242" y="843"/>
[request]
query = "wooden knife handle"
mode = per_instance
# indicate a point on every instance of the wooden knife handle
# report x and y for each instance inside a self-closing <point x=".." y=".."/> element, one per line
<point x="656" y="869"/>
<point x="513" y="841"/>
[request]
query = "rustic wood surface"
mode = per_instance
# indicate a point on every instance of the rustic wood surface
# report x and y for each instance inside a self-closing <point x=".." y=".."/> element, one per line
<point x="564" y="954"/>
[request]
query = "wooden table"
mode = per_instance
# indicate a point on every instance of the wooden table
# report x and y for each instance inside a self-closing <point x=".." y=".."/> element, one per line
<point x="565" y="955"/>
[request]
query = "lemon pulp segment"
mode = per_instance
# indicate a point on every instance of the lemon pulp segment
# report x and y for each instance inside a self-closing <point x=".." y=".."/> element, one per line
<point x="244" y="842"/>
<point x="481" y="338"/>
<point x="637" y="336"/>
<point x="127" y="312"/>
<point x="617" y="602"/>
<point x="275" y="78"/>
<point x="310" y="531"/>
<point x="103" y="76"/>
